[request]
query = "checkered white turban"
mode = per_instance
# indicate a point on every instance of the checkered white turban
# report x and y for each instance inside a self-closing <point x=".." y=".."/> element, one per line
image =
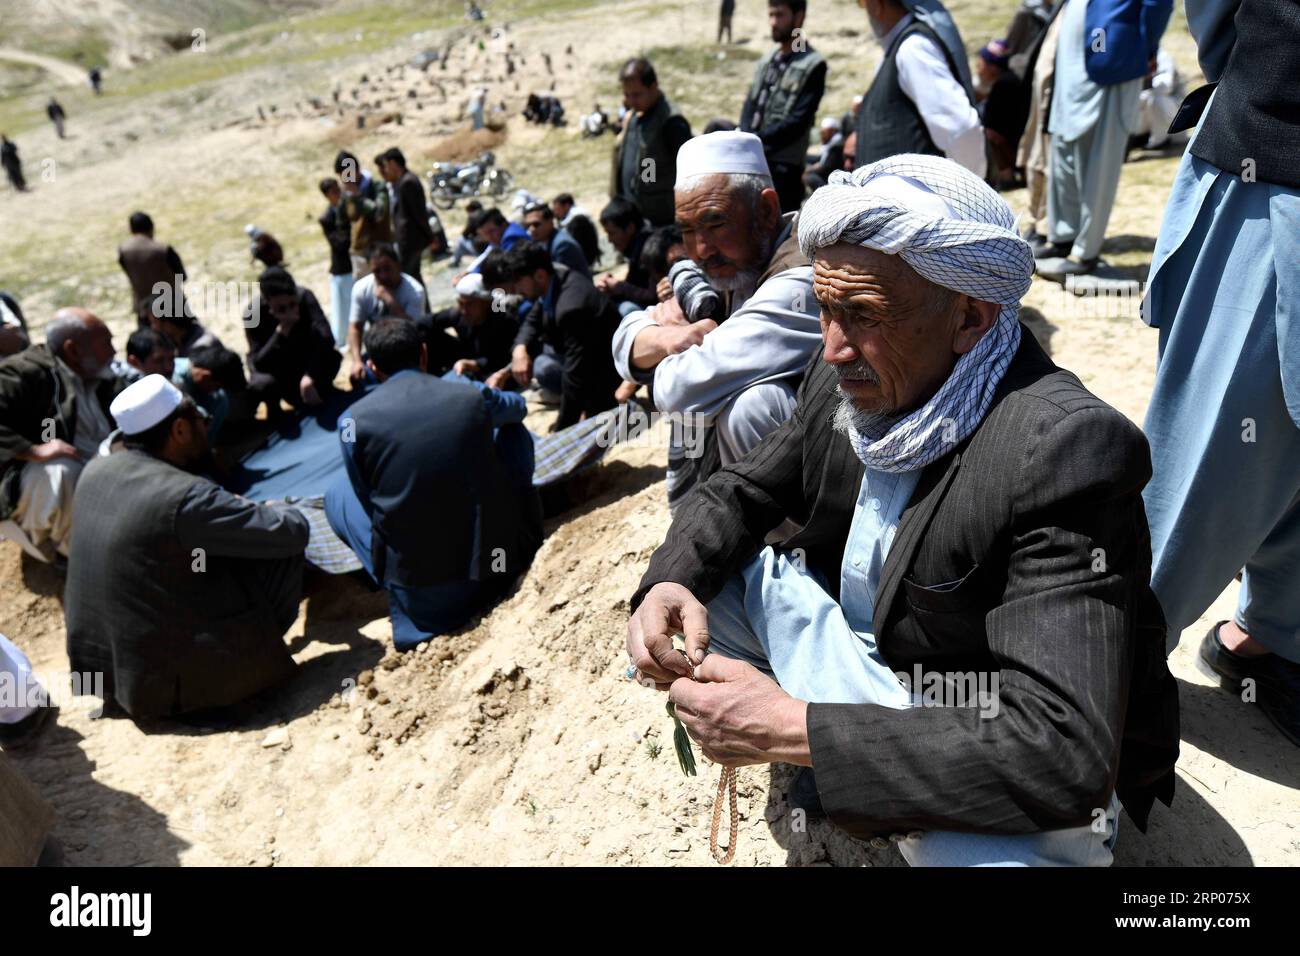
<point x="954" y="230"/>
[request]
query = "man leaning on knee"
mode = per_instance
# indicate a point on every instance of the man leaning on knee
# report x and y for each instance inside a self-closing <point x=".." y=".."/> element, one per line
<point x="959" y="641"/>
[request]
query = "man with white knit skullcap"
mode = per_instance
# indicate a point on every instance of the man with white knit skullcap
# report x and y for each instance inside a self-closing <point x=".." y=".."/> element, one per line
<point x="959" y="640"/>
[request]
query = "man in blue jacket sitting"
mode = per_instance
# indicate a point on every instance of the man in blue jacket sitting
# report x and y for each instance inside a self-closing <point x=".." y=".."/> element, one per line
<point x="437" y="500"/>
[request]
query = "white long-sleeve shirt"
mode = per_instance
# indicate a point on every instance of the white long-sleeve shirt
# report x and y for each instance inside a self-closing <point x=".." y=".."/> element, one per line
<point x="770" y="336"/>
<point x="946" y="110"/>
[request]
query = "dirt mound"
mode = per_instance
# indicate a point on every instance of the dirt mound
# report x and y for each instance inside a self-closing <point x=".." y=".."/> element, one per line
<point x="464" y="145"/>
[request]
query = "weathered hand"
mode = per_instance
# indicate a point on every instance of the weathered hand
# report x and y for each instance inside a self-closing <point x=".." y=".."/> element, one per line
<point x="667" y="609"/>
<point x="668" y="312"/>
<point x="740" y="716"/>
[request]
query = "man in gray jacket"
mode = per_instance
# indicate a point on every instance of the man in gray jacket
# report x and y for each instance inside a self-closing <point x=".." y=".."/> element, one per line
<point x="178" y="591"/>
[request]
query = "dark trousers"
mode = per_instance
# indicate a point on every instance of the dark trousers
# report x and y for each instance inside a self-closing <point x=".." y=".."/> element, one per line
<point x="411" y="261"/>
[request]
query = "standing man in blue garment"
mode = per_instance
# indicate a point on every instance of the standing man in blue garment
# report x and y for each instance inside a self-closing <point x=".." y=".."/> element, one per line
<point x="1224" y="419"/>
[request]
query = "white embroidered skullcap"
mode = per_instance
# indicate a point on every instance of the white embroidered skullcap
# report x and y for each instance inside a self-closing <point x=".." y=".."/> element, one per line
<point x="471" y="287"/>
<point x="143" y="404"/>
<point x="726" y="151"/>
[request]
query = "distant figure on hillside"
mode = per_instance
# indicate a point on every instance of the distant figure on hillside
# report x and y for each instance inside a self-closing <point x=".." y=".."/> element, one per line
<point x="95" y="79"/>
<point x="783" y="99"/>
<point x="12" y="164"/>
<point x="645" y="156"/>
<point x="150" y="266"/>
<point x="724" y="19"/>
<point x="55" y="112"/>
<point x="476" y="105"/>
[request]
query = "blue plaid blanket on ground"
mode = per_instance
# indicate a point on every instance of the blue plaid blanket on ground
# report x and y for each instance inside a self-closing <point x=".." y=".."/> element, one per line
<point x="297" y="466"/>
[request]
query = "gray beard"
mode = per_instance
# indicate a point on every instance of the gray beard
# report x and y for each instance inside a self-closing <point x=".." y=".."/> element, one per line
<point x="870" y="425"/>
<point x="743" y="279"/>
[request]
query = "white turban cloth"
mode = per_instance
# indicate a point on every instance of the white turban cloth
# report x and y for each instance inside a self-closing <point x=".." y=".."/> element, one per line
<point x="954" y="230"/>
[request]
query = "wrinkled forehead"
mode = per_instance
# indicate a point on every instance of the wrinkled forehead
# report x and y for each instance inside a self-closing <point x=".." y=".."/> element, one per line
<point x="845" y="272"/>
<point x="711" y="192"/>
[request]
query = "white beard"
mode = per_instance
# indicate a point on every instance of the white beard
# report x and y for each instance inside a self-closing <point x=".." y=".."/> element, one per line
<point x="744" y="279"/>
<point x="849" y="419"/>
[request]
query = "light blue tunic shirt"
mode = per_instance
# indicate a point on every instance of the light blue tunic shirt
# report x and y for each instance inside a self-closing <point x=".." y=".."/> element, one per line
<point x="882" y="498"/>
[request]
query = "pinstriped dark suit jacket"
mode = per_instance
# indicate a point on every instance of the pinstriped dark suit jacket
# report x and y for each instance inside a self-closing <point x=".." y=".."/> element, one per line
<point x="1016" y="514"/>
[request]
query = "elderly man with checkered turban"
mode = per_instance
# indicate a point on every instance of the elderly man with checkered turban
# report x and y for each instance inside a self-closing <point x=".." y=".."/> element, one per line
<point x="958" y="640"/>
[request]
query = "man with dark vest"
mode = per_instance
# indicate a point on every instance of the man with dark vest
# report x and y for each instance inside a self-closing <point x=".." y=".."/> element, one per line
<point x="410" y="216"/>
<point x="645" y="156"/>
<point x="736" y="381"/>
<point x="783" y="99"/>
<point x="178" y="591"/>
<point x="151" y="267"/>
<point x="437" y="501"/>
<point x="921" y="100"/>
<point x="1224" y="419"/>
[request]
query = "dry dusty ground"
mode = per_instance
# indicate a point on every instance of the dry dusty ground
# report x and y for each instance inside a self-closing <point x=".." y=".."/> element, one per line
<point x="518" y="740"/>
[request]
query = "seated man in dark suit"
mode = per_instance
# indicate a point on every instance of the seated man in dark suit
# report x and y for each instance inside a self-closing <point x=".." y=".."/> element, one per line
<point x="291" y="353"/>
<point x="965" y="645"/>
<point x="437" y="501"/>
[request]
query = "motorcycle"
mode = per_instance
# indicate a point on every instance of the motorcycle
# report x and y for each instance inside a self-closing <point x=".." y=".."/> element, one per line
<point x="449" y="182"/>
